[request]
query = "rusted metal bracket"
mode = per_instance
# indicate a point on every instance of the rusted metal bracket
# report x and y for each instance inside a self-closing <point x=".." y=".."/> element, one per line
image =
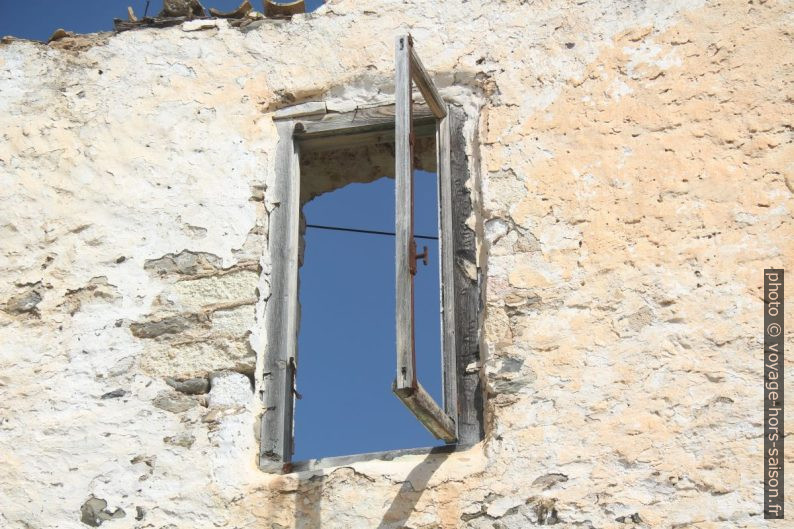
<point x="413" y="257"/>
<point x="294" y="376"/>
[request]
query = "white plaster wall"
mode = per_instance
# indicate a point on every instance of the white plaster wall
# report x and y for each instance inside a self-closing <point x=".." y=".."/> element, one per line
<point x="635" y="164"/>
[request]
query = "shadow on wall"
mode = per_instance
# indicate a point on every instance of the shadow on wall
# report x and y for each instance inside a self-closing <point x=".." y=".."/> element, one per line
<point x="411" y="490"/>
<point x="309" y="495"/>
<point x="309" y="502"/>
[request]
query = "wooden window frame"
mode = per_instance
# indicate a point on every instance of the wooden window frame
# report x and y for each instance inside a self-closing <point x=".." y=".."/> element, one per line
<point x="309" y="127"/>
<point x="441" y="422"/>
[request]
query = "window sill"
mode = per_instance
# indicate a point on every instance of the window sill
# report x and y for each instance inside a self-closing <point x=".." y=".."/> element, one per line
<point x="311" y="465"/>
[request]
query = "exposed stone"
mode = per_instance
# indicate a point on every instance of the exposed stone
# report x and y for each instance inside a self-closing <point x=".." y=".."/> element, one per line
<point x="24" y="302"/>
<point x="545" y="512"/>
<point x="184" y="440"/>
<point x="633" y="518"/>
<point x="93" y="512"/>
<point x="96" y="290"/>
<point x="170" y="325"/>
<point x="548" y="481"/>
<point x="495" y="229"/>
<point x="502" y="506"/>
<point x="173" y="402"/>
<point x="230" y="389"/>
<point x="185" y="263"/>
<point x="115" y="394"/>
<point x="191" y="386"/>
<point x="231" y="288"/>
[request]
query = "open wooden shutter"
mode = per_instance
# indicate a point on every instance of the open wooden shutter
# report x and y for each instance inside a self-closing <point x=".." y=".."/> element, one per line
<point x="409" y="68"/>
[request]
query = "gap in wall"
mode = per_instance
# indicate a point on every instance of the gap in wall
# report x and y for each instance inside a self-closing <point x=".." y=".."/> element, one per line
<point x="346" y="346"/>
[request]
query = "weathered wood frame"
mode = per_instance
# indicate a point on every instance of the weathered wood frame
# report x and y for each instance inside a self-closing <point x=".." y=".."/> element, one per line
<point x="281" y="312"/>
<point x="409" y="71"/>
<point x="302" y="130"/>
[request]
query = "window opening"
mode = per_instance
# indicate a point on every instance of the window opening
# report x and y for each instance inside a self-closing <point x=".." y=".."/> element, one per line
<point x="347" y="333"/>
<point x="395" y="140"/>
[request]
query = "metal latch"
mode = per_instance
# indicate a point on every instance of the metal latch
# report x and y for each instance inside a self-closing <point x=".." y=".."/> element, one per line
<point x="413" y="257"/>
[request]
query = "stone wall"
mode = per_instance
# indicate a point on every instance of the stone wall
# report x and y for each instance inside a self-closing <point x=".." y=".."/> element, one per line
<point x="635" y="170"/>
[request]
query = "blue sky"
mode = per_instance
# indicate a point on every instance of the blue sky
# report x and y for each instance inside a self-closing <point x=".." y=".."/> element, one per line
<point x="347" y="336"/>
<point x="37" y="19"/>
<point x="347" y="339"/>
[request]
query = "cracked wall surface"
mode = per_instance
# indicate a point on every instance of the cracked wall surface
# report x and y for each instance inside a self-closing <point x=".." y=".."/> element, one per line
<point x="633" y="165"/>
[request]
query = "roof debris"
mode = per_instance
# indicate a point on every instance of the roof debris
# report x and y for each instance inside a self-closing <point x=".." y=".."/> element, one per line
<point x="285" y="10"/>
<point x="176" y="12"/>
<point x="182" y="8"/>
<point x="240" y="12"/>
<point x="58" y="34"/>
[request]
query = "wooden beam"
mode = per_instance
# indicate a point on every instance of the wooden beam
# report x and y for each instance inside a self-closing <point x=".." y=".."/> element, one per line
<point x="358" y="121"/>
<point x="422" y="405"/>
<point x="425" y="84"/>
<point x="446" y="253"/>
<point x="466" y="289"/>
<point x="281" y="312"/>
<point x="342" y="140"/>
<point x="403" y="224"/>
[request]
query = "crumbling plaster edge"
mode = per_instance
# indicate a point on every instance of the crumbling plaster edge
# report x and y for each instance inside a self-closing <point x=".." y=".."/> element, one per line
<point x="79" y="42"/>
